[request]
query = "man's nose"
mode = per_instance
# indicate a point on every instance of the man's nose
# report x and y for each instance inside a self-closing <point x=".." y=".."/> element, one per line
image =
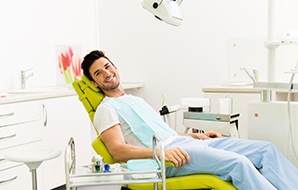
<point x="106" y="72"/>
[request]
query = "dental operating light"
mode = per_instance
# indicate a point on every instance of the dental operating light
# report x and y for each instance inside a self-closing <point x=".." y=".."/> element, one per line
<point x="166" y="10"/>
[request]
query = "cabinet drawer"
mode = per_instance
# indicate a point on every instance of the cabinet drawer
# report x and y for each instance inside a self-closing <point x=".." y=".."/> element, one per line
<point x="19" y="113"/>
<point x="15" y="135"/>
<point x="18" y="178"/>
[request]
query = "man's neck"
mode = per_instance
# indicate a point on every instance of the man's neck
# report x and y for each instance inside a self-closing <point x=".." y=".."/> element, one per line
<point x="116" y="92"/>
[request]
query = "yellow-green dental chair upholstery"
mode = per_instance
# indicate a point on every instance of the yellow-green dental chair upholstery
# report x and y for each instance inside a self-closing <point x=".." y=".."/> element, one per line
<point x="91" y="96"/>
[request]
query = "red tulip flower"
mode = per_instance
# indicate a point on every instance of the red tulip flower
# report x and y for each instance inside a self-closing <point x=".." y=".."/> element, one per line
<point x="69" y="65"/>
<point x="76" y="66"/>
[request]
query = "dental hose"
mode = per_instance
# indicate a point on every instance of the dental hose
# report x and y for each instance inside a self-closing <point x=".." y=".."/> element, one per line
<point x="291" y="134"/>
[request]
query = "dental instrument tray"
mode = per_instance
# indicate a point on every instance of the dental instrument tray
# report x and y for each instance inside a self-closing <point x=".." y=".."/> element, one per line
<point x="211" y="116"/>
<point x="142" y="165"/>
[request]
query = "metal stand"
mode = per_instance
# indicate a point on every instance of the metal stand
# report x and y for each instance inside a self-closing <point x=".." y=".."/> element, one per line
<point x="82" y="177"/>
<point x="34" y="179"/>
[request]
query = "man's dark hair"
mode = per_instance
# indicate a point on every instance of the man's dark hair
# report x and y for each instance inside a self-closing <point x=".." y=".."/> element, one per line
<point x="89" y="59"/>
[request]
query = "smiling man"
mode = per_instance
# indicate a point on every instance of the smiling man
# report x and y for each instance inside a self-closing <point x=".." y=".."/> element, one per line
<point x="127" y="123"/>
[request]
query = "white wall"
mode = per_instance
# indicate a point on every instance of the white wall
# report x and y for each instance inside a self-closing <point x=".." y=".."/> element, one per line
<point x="172" y="61"/>
<point x="178" y="61"/>
<point x="32" y="29"/>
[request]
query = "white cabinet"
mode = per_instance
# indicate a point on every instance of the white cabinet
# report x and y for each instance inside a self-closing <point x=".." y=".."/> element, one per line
<point x="64" y="117"/>
<point x="20" y="128"/>
<point x="48" y="123"/>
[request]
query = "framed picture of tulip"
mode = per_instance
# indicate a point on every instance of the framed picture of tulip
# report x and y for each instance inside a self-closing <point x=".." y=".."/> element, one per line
<point x="68" y="63"/>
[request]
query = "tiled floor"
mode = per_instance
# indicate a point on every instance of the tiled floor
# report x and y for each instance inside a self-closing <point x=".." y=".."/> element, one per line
<point x="60" y="188"/>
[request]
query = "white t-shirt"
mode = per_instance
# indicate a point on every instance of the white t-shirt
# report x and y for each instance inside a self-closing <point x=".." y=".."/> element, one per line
<point x="106" y="117"/>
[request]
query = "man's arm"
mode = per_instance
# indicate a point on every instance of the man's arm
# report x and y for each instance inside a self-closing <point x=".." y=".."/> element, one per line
<point x="122" y="152"/>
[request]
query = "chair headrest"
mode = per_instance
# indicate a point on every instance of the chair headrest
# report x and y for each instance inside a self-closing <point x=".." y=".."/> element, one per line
<point x="89" y="95"/>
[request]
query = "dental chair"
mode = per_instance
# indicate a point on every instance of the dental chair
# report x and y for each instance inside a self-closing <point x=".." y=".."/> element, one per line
<point x="91" y="97"/>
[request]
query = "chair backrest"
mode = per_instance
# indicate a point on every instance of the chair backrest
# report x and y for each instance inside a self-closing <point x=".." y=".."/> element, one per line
<point x="90" y="96"/>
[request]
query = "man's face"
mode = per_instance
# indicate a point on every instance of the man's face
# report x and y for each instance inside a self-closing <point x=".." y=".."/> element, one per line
<point x="104" y="74"/>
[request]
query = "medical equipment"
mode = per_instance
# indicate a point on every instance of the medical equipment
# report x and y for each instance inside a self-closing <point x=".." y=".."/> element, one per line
<point x="80" y="176"/>
<point x="165" y="10"/>
<point x="199" y="120"/>
<point x="225" y="124"/>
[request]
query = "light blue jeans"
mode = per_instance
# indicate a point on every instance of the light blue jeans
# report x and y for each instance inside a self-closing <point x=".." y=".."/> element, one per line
<point x="236" y="160"/>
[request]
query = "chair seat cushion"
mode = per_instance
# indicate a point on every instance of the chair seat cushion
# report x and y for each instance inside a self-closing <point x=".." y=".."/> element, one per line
<point x="196" y="181"/>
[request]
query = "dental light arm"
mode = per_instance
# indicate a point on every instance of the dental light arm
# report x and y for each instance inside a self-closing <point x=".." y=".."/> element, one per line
<point x="165" y="10"/>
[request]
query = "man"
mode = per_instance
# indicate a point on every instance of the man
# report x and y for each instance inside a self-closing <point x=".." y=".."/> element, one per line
<point x="126" y="125"/>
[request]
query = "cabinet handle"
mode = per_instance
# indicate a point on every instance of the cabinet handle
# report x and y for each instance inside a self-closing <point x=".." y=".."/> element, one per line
<point x="7" y="114"/>
<point x="10" y="179"/>
<point x="8" y="136"/>
<point x="45" y="115"/>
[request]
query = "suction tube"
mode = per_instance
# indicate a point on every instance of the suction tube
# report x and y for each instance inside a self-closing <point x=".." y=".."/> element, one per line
<point x="291" y="134"/>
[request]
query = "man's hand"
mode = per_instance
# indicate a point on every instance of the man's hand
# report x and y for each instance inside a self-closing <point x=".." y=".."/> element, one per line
<point x="176" y="155"/>
<point x="208" y="135"/>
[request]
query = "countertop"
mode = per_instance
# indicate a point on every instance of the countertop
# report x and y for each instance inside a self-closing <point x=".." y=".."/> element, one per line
<point x="278" y="87"/>
<point x="54" y="92"/>
<point x="230" y="89"/>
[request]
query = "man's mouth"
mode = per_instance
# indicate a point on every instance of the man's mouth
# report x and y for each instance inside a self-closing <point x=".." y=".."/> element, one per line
<point x="109" y="79"/>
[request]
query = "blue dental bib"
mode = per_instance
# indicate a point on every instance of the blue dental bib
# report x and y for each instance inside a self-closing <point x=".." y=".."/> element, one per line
<point x="143" y="120"/>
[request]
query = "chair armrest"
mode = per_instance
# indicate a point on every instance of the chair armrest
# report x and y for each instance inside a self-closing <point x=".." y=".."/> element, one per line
<point x="161" y="160"/>
<point x="156" y="140"/>
<point x="169" y="163"/>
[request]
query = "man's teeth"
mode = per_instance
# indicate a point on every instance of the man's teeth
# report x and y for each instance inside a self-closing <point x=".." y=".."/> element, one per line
<point x="109" y="79"/>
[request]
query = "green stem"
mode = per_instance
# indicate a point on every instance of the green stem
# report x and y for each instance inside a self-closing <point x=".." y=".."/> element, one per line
<point x="67" y="76"/>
